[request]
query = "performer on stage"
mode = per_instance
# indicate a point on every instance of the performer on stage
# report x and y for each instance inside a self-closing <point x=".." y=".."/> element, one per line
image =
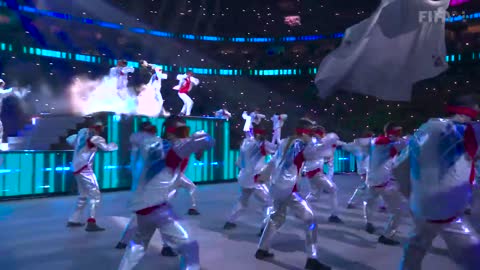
<point x="120" y="72"/>
<point x="287" y="164"/>
<point x="315" y="153"/>
<point x="185" y="85"/>
<point x="257" y="117"/>
<point x="146" y="132"/>
<point x="252" y="175"/>
<point x="360" y="149"/>
<point x="155" y="83"/>
<point x="436" y="172"/>
<point x="86" y="144"/>
<point x="4" y="93"/>
<point x="248" y="127"/>
<point x="223" y="113"/>
<point x="278" y="121"/>
<point x="379" y="175"/>
<point x="162" y="167"/>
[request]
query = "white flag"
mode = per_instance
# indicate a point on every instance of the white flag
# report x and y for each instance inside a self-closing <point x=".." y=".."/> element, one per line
<point x="403" y="42"/>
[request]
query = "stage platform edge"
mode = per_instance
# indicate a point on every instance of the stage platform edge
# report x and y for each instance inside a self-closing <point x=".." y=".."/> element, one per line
<point x="31" y="173"/>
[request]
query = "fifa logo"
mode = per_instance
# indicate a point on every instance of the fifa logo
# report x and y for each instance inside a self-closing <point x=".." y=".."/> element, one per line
<point x="433" y="16"/>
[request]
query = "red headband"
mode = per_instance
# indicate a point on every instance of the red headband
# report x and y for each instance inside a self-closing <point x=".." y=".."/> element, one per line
<point x="319" y="132"/>
<point x="463" y="111"/>
<point x="171" y="129"/>
<point x="395" y="131"/>
<point x="258" y="131"/>
<point x="304" y="131"/>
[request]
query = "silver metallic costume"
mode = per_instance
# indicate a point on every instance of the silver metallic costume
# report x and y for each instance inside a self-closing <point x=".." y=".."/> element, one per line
<point x="278" y="121"/>
<point x="287" y="163"/>
<point x="435" y="171"/>
<point x="86" y="144"/>
<point x="136" y="165"/>
<point x="252" y="169"/>
<point x="379" y="183"/>
<point x="360" y="149"/>
<point x="315" y="153"/>
<point x="121" y="75"/>
<point x="151" y="200"/>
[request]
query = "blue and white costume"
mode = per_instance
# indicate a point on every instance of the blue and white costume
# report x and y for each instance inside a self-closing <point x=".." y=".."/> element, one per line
<point x="151" y="200"/>
<point x="438" y="180"/>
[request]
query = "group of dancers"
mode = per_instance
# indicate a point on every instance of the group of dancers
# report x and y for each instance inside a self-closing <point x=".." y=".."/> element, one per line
<point x="153" y="87"/>
<point x="434" y="170"/>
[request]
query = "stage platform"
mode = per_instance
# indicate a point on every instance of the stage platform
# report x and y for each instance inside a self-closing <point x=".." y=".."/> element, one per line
<point x="27" y="172"/>
<point x="34" y="236"/>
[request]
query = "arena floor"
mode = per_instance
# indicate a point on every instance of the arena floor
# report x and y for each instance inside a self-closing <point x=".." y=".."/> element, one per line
<point x="34" y="237"/>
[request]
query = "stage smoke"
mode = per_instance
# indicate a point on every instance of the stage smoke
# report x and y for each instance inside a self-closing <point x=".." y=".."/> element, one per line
<point x="91" y="96"/>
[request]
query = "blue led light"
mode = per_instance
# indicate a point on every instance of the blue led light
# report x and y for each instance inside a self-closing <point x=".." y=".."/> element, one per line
<point x="138" y="30"/>
<point x="109" y="25"/>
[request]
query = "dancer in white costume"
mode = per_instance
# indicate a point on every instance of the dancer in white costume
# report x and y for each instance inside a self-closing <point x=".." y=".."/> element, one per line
<point x="278" y="121"/>
<point x="379" y="181"/>
<point x="360" y="148"/>
<point x="254" y="117"/>
<point x="146" y="132"/>
<point x="257" y="117"/>
<point x="364" y="62"/>
<point x="315" y="153"/>
<point x="253" y="176"/>
<point x="436" y="172"/>
<point x="4" y="93"/>
<point x="86" y="144"/>
<point x="155" y="85"/>
<point x="287" y="164"/>
<point x="185" y="85"/>
<point x="120" y="73"/>
<point x="248" y="126"/>
<point x="223" y="113"/>
<point x="155" y="189"/>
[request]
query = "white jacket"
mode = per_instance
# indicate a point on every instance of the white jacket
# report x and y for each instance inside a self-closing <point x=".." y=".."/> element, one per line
<point x="162" y="162"/>
<point x="439" y="169"/>
<point x="86" y="146"/>
<point x="251" y="160"/>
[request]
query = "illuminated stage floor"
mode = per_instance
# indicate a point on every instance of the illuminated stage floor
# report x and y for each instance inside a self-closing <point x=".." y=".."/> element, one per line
<point x="33" y="236"/>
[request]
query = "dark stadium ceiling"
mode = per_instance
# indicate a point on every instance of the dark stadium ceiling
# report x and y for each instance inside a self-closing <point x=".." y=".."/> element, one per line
<point x="254" y="17"/>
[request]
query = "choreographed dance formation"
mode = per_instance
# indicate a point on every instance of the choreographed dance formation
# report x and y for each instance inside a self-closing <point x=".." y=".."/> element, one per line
<point x="437" y="182"/>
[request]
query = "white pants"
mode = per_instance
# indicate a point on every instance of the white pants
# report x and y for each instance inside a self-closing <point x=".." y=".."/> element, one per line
<point x="320" y="182"/>
<point x="393" y="201"/>
<point x="302" y="211"/>
<point x="88" y="191"/>
<point x="331" y="169"/>
<point x="173" y="234"/>
<point x="261" y="193"/>
<point x="463" y="243"/>
<point x="359" y="191"/>
<point x="277" y="136"/>
<point x="184" y="182"/>
<point x="187" y="103"/>
<point x="157" y="86"/>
